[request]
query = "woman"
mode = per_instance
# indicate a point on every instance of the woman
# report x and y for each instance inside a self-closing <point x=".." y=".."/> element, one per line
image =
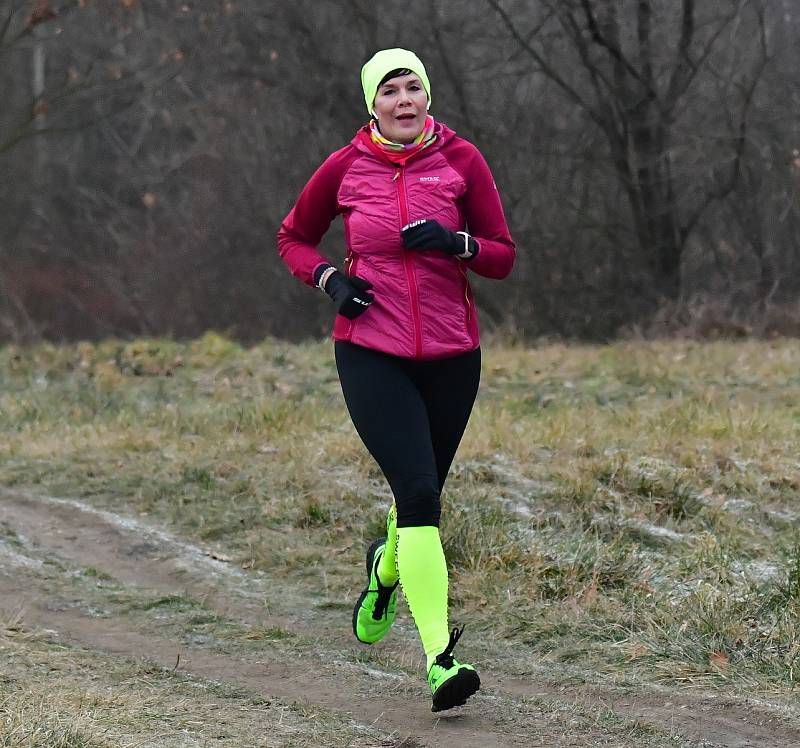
<point x="420" y="210"/>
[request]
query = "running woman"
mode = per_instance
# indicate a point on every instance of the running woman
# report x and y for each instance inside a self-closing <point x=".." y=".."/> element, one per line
<point x="421" y="211"/>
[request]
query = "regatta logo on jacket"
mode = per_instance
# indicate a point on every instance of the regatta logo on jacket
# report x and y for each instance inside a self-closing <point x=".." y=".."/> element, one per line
<point x="429" y="179"/>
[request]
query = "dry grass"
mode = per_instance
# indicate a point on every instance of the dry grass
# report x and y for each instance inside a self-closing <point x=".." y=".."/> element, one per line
<point x="56" y="696"/>
<point x="628" y="510"/>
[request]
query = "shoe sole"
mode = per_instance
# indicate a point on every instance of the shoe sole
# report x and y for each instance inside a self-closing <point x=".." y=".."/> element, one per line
<point x="370" y="561"/>
<point x="456" y="691"/>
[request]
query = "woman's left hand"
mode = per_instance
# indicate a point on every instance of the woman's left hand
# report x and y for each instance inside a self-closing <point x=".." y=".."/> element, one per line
<point x="430" y="234"/>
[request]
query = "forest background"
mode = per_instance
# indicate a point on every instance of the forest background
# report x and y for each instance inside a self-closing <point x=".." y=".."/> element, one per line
<point x="647" y="152"/>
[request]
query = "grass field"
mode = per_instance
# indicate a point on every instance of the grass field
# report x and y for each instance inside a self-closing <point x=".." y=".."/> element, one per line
<point x="625" y="514"/>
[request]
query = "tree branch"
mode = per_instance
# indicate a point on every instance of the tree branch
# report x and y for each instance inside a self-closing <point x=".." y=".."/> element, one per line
<point x="455" y="81"/>
<point x="27" y="129"/>
<point x="614" y="51"/>
<point x="740" y="140"/>
<point x="612" y="119"/>
<point x="644" y="17"/>
<point x="681" y="73"/>
<point x="6" y="25"/>
<point x="547" y="69"/>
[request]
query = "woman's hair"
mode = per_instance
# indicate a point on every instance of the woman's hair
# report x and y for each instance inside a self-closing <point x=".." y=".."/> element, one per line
<point x="396" y="73"/>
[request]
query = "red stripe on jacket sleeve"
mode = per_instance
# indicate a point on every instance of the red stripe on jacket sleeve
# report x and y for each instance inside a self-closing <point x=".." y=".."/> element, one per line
<point x="483" y="211"/>
<point x="311" y="216"/>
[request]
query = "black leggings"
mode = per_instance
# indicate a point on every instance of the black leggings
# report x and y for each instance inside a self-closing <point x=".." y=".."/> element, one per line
<point x="411" y="416"/>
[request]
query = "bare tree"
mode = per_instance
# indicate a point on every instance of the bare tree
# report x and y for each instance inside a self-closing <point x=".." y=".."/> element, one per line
<point x="644" y="150"/>
<point x="635" y="69"/>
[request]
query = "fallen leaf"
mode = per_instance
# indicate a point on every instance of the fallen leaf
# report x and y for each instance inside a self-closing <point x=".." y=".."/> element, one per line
<point x="41" y="13"/>
<point x="719" y="660"/>
<point x="637" y="650"/>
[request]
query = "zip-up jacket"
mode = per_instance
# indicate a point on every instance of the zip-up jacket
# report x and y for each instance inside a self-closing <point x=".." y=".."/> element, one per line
<point x="424" y="307"/>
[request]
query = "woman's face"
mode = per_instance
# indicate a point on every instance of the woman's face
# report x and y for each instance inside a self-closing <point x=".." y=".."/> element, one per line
<point x="401" y="108"/>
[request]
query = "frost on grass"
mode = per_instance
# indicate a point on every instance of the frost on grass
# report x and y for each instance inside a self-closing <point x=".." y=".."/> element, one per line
<point x="656" y="531"/>
<point x="13" y="555"/>
<point x="193" y="555"/>
<point x="575" y="514"/>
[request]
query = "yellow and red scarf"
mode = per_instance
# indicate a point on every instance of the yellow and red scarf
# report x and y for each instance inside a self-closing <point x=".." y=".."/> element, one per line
<point x="423" y="140"/>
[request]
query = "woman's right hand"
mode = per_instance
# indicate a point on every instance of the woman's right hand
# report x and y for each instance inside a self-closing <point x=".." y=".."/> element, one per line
<point x="350" y="294"/>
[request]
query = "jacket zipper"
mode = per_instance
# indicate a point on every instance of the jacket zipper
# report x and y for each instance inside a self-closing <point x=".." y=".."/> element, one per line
<point x="463" y="274"/>
<point x="350" y="270"/>
<point x="408" y="262"/>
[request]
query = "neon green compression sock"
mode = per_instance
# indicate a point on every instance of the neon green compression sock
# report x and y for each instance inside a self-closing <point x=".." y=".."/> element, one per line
<point x="387" y="566"/>
<point x="423" y="577"/>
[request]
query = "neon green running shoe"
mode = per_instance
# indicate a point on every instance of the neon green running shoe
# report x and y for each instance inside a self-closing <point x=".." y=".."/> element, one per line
<point x="375" y="610"/>
<point x="451" y="682"/>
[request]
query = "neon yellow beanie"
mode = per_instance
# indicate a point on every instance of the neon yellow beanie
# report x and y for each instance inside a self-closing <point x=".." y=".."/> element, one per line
<point x="384" y="62"/>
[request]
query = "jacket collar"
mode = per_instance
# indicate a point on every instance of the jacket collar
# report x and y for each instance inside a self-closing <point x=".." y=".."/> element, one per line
<point x="363" y="142"/>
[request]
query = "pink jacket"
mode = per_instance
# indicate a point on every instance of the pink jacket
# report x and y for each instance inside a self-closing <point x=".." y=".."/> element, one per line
<point x="424" y="307"/>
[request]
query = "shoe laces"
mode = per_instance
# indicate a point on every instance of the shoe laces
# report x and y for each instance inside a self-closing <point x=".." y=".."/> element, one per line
<point x="384" y="596"/>
<point x="445" y="659"/>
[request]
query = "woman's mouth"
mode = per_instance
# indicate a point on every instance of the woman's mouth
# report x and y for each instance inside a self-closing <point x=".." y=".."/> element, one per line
<point x="406" y="116"/>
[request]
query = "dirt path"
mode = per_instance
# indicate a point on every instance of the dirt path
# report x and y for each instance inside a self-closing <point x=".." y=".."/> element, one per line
<point x="505" y="713"/>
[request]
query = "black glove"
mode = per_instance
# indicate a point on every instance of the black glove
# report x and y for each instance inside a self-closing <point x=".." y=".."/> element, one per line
<point x="349" y="293"/>
<point x="430" y="234"/>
